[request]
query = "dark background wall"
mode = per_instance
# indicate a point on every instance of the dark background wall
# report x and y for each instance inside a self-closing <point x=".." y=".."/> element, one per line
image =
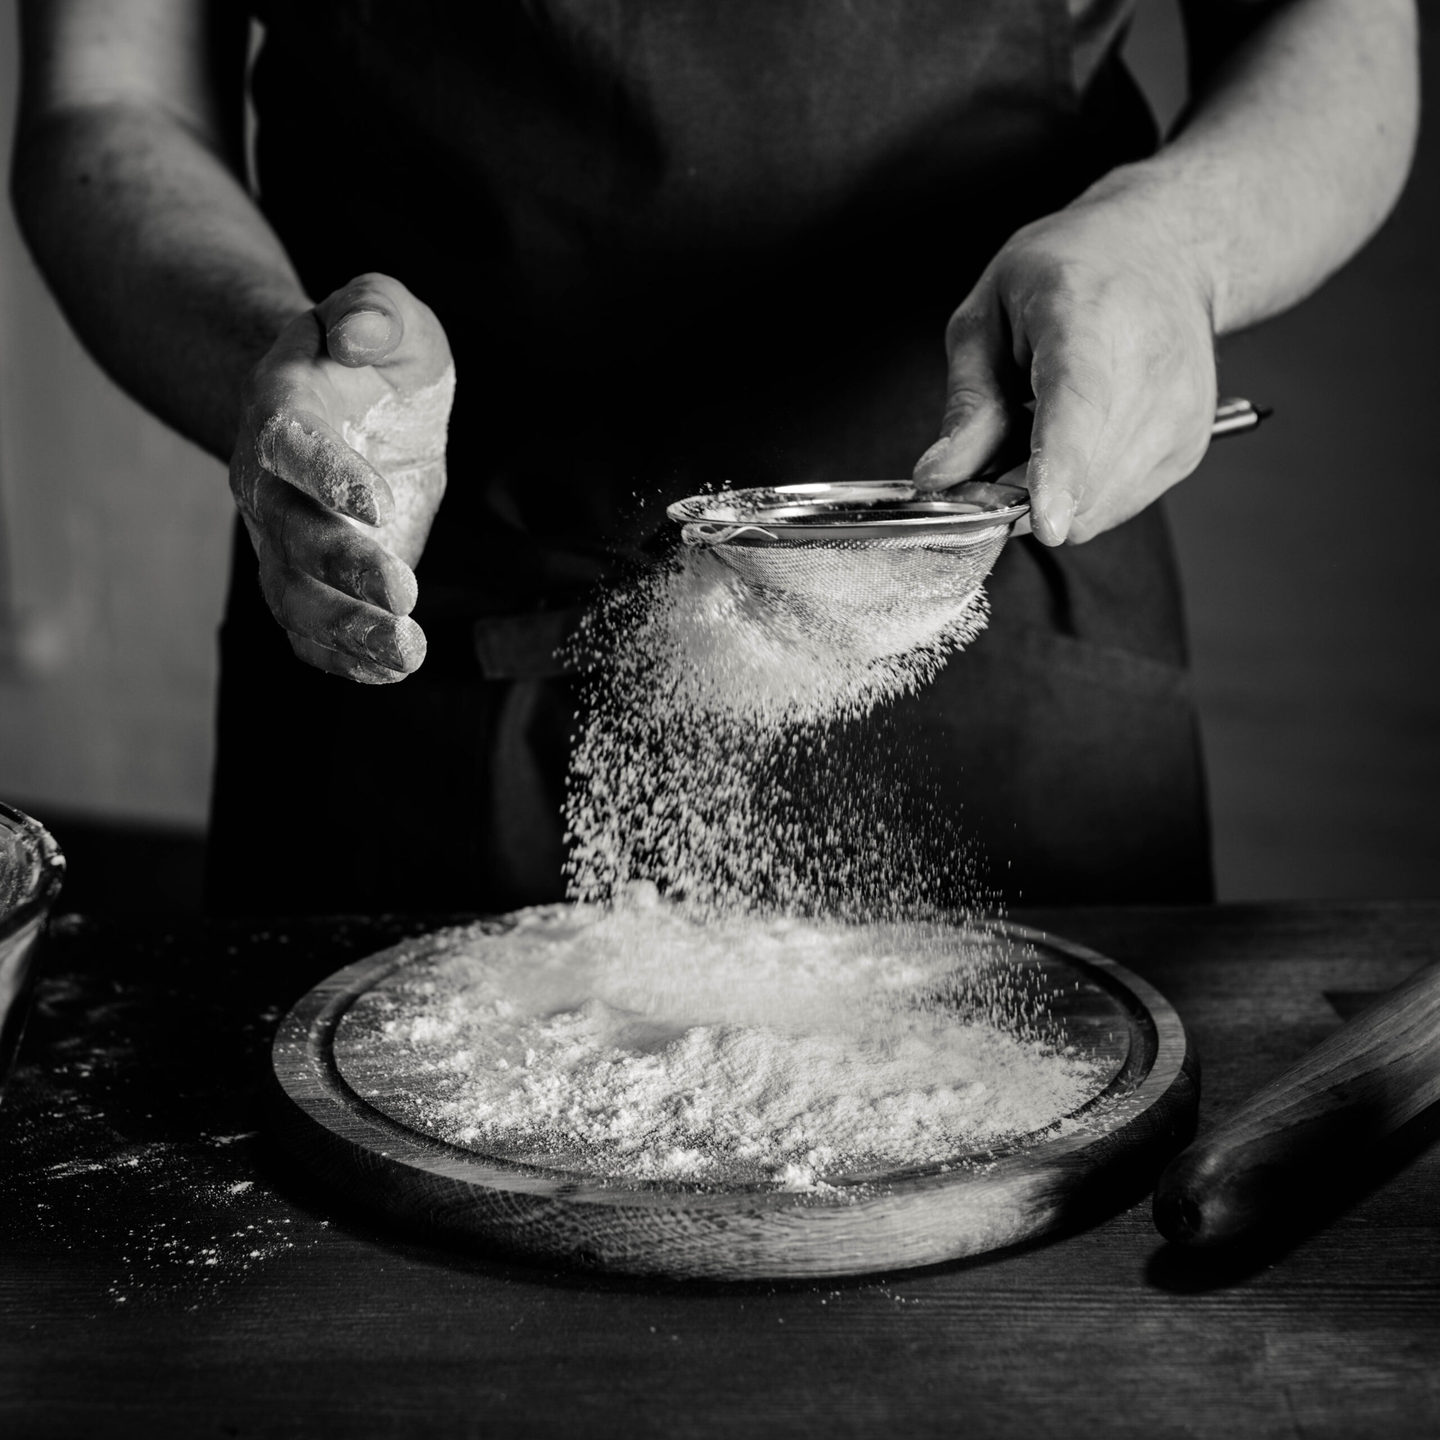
<point x="1309" y="553"/>
<point x="1307" y="548"/>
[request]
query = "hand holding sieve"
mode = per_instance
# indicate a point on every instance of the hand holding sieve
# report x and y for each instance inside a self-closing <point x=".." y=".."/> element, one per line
<point x="856" y="511"/>
<point x="876" y="564"/>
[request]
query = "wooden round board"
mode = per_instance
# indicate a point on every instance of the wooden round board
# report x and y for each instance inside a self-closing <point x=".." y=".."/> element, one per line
<point x="1106" y="1152"/>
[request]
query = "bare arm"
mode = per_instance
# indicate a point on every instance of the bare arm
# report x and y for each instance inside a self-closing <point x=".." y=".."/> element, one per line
<point x="127" y="181"/>
<point x="1294" y="150"/>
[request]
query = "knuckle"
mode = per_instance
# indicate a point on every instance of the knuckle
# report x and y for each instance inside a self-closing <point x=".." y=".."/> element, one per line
<point x="270" y="434"/>
<point x="348" y="627"/>
<point x="967" y="398"/>
<point x="1075" y="373"/>
<point x="372" y="288"/>
<point x="288" y="532"/>
<point x="342" y="560"/>
<point x="964" y="325"/>
<point x="964" y="405"/>
<point x="268" y="507"/>
<point x="335" y="566"/>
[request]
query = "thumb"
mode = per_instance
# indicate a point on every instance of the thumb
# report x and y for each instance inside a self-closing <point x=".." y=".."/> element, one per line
<point x="977" y="418"/>
<point x="362" y="321"/>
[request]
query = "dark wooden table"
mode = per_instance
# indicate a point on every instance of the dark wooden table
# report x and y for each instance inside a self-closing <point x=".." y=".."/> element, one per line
<point x="164" y="1271"/>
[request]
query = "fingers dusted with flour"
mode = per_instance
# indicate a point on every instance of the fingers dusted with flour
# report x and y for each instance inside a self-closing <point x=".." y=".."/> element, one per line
<point x="342" y="597"/>
<point x="301" y="449"/>
<point x="359" y="641"/>
<point x="338" y="470"/>
<point x="311" y="539"/>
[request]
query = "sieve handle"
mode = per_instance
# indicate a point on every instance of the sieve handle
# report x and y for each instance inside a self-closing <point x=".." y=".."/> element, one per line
<point x="1233" y="416"/>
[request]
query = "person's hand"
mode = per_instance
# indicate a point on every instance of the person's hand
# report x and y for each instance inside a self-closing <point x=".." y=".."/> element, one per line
<point x="338" y="470"/>
<point x="1098" y="315"/>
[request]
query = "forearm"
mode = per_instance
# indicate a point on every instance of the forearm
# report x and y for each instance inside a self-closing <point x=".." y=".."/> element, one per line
<point x="1293" y="152"/>
<point x="158" y="256"/>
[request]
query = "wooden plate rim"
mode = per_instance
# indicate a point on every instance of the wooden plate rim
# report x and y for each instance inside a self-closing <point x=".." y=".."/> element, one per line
<point x="304" y="1065"/>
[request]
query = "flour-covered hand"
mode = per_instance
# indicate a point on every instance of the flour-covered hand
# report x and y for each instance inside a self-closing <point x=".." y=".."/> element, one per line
<point x="1097" y="315"/>
<point x="338" y="470"/>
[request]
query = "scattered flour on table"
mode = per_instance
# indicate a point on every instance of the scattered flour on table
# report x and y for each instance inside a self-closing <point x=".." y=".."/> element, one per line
<point x="168" y="1196"/>
<point x="187" y="1235"/>
<point x="636" y="1042"/>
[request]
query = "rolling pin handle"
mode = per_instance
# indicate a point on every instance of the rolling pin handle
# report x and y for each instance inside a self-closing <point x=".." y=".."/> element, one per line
<point x="1319" y="1117"/>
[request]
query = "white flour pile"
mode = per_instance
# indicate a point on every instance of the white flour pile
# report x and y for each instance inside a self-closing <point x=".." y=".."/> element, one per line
<point x="635" y="1043"/>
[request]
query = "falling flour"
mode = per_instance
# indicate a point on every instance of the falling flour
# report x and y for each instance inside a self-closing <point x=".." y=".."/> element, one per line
<point x="633" y="1042"/>
<point x="772" y="970"/>
<point x="724" y="754"/>
<point x="772" y="657"/>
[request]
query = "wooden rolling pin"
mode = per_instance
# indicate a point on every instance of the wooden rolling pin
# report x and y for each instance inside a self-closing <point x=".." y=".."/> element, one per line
<point x="1314" y="1121"/>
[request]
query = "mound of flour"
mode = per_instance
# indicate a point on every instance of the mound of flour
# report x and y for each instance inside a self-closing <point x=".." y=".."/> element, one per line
<point x="636" y="1042"/>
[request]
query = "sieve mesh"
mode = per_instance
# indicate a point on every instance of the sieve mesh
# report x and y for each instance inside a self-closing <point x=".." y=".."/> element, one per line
<point x="880" y="596"/>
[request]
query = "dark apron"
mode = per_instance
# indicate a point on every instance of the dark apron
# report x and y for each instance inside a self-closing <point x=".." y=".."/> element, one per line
<point x="676" y="246"/>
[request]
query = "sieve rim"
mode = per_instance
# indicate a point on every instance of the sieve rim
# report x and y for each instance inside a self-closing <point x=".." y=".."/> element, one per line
<point x="844" y="510"/>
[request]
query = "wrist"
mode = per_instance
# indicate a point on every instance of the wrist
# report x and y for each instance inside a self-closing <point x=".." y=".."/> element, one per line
<point x="1164" y="212"/>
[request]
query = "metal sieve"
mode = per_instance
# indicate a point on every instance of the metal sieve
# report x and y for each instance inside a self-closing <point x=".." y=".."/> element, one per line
<point x="873" y="561"/>
<point x="866" y="563"/>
